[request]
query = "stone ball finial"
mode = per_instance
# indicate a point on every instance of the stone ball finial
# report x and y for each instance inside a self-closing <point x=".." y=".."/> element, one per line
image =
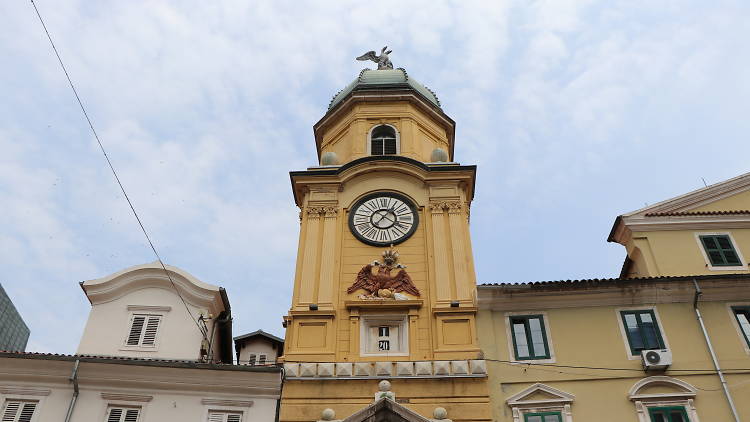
<point x="327" y="414"/>
<point x="440" y="413"/>
<point x="329" y="158"/>
<point x="439" y="155"/>
<point x="384" y="385"/>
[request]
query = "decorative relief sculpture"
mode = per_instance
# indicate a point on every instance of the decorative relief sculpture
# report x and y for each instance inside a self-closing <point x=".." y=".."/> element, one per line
<point x="383" y="285"/>
<point x="382" y="60"/>
<point x="321" y="211"/>
<point x="453" y="207"/>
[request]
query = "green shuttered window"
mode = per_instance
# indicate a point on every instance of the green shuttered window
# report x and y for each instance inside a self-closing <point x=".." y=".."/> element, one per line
<point x="529" y="337"/>
<point x="720" y="250"/>
<point x="543" y="417"/>
<point x="668" y="414"/>
<point x="642" y="331"/>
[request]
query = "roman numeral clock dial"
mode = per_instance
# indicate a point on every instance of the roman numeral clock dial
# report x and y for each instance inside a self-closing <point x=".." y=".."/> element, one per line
<point x="383" y="219"/>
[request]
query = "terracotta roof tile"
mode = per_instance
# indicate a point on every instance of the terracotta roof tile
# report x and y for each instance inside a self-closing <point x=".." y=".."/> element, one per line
<point x="690" y="213"/>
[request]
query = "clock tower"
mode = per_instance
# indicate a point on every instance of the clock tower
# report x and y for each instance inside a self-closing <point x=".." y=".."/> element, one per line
<point x="384" y="285"/>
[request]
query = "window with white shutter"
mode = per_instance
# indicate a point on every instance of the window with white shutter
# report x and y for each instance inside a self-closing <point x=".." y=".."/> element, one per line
<point x="222" y="416"/>
<point x="143" y="330"/>
<point x="18" y="411"/>
<point x="123" y="414"/>
<point x="251" y="359"/>
<point x="261" y="359"/>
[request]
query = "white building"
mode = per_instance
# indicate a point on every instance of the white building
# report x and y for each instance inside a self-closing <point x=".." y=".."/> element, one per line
<point x="155" y="348"/>
<point x="258" y="348"/>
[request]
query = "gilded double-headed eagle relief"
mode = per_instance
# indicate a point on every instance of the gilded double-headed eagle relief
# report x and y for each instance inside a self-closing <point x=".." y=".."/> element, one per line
<point x="381" y="284"/>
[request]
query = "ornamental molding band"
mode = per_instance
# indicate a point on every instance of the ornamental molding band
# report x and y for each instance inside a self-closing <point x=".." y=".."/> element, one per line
<point x="382" y="285"/>
<point x="453" y="207"/>
<point x="474" y="368"/>
<point x="317" y="211"/>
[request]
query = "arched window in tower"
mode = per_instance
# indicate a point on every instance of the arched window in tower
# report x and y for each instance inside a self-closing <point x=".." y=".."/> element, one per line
<point x="383" y="140"/>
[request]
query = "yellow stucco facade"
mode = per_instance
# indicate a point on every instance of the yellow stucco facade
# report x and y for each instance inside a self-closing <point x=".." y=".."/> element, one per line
<point x="434" y="361"/>
<point x="586" y="361"/>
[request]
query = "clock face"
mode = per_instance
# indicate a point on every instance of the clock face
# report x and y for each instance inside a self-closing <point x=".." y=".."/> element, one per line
<point x="383" y="219"/>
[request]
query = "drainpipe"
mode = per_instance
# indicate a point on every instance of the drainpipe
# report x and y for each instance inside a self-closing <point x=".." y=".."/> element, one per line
<point x="728" y="395"/>
<point x="74" y="378"/>
<point x="281" y="391"/>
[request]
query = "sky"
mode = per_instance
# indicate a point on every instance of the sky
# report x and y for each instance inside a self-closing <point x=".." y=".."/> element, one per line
<point x="574" y="111"/>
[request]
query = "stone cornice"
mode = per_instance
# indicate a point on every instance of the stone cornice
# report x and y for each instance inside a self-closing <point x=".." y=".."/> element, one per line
<point x="126" y="397"/>
<point x="427" y="173"/>
<point x="615" y="293"/>
<point x="117" y="285"/>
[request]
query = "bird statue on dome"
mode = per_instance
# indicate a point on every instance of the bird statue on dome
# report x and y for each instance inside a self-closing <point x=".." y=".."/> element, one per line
<point x="382" y="60"/>
<point x="382" y="284"/>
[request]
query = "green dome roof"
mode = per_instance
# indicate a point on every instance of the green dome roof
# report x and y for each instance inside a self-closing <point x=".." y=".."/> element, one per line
<point x="384" y="79"/>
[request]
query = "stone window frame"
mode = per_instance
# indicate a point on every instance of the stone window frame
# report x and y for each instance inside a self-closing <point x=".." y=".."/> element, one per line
<point x="730" y="308"/>
<point x="621" y="325"/>
<point x="368" y="141"/>
<point x="24" y="394"/>
<point x="229" y="406"/>
<point x="133" y="310"/>
<point x="560" y="403"/>
<point x="643" y="402"/>
<point x="547" y="333"/>
<point x="124" y="400"/>
<point x="368" y="321"/>
<point x="709" y="265"/>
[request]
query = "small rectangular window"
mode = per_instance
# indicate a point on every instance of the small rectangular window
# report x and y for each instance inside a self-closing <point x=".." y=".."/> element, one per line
<point x="251" y="359"/>
<point x="217" y="416"/>
<point x="668" y="414"/>
<point x="543" y="417"/>
<point x="642" y="331"/>
<point x="529" y="337"/>
<point x="261" y="359"/>
<point x="123" y="414"/>
<point x="720" y="250"/>
<point x="143" y="330"/>
<point x="742" y="313"/>
<point x="18" y="411"/>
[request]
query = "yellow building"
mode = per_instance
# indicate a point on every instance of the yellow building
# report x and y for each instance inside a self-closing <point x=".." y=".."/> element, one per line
<point x="668" y="341"/>
<point x="388" y="190"/>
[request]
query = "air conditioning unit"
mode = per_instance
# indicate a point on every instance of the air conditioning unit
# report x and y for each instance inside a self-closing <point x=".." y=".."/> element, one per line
<point x="656" y="359"/>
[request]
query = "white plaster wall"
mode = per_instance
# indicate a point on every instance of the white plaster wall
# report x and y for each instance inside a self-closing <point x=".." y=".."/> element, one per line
<point x="256" y="346"/>
<point x="109" y="323"/>
<point x="171" y="394"/>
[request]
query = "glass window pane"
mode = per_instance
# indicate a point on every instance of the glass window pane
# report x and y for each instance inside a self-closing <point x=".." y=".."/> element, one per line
<point x="649" y="330"/>
<point x="658" y="417"/>
<point x="534" y="418"/>
<point x="731" y="258"/>
<point x="519" y="334"/>
<point x="708" y="242"/>
<point x="537" y="337"/>
<point x="677" y="416"/>
<point x="552" y="418"/>
<point x="724" y="242"/>
<point x="716" y="258"/>
<point x="634" y="334"/>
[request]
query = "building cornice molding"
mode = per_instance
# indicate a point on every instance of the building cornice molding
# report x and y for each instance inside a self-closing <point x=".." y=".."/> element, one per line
<point x="152" y="275"/>
<point x="25" y="391"/>
<point x="227" y="403"/>
<point x="625" y="223"/>
<point x="617" y="293"/>
<point x="126" y="397"/>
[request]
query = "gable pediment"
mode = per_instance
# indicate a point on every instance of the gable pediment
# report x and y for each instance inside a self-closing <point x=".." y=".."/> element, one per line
<point x="539" y="394"/>
<point x="386" y="411"/>
<point x="722" y="205"/>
